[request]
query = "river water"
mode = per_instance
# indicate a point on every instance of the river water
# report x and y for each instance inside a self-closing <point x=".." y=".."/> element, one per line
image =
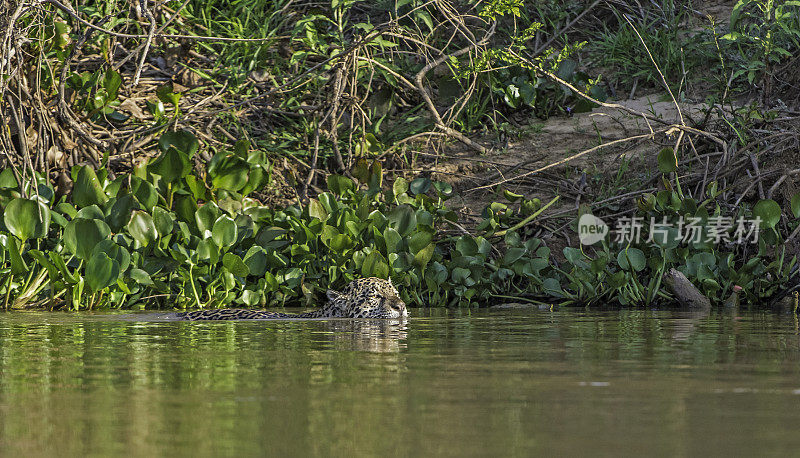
<point x="450" y="383"/>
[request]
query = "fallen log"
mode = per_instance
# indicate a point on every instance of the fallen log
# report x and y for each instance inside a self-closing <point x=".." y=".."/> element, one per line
<point x="687" y="294"/>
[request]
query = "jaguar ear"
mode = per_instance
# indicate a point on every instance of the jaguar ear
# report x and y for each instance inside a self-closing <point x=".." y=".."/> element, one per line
<point x="390" y="281"/>
<point x="333" y="295"/>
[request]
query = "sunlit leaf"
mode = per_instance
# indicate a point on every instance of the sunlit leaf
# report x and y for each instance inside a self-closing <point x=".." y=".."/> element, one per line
<point x="228" y="171"/>
<point x="82" y="235"/>
<point x="87" y="189"/>
<point x="224" y="231"/>
<point x="171" y="165"/>
<point x="142" y="228"/>
<point x="26" y="218"/>
<point x="375" y="265"/>
<point x="235" y="265"/>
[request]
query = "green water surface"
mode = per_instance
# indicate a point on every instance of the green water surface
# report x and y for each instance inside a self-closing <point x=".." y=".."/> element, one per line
<point x="490" y="383"/>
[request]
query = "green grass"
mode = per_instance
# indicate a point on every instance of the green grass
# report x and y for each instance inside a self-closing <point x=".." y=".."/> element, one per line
<point x="679" y="52"/>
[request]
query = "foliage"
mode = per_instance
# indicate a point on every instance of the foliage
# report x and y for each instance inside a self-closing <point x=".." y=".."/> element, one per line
<point x="618" y="46"/>
<point x="700" y="239"/>
<point x="190" y="235"/>
<point x="765" y="33"/>
<point x="193" y="236"/>
<point x="298" y="61"/>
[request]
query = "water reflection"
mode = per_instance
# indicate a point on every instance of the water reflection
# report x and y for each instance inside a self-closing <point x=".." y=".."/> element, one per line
<point x="519" y="382"/>
<point x="377" y="336"/>
<point x="685" y="324"/>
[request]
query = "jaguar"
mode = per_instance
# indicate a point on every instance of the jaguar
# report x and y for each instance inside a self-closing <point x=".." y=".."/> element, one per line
<point x="362" y="298"/>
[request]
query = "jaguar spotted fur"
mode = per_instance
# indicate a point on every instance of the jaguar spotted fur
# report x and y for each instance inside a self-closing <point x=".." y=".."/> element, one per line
<point x="363" y="298"/>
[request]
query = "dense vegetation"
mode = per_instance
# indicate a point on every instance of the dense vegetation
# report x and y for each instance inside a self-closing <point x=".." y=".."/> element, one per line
<point x="148" y="161"/>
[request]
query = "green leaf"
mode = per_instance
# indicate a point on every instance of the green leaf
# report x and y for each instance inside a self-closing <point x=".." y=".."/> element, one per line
<point x="40" y="258"/>
<point x="224" y="232"/>
<point x="142" y="228"/>
<point x="255" y="180"/>
<point x="7" y="179"/>
<point x="18" y="266"/>
<point x="316" y="210"/>
<point x="419" y="241"/>
<point x="394" y="241"/>
<point x="443" y="190"/>
<point x="197" y="186"/>
<point x="341" y="243"/>
<point x="77" y="292"/>
<point x="27" y="218"/>
<point x="403" y="219"/>
<point x="171" y="165"/>
<point x="737" y="11"/>
<point x="510" y="196"/>
<point x="552" y="287"/>
<point x="339" y="184"/>
<point x="241" y="148"/>
<point x="166" y="95"/>
<point x="59" y="264"/>
<point x="327" y="234"/>
<point x="256" y="261"/>
<point x="206" y="216"/>
<point x="420" y="186"/>
<point x="186" y="210"/>
<point x="86" y="189"/>
<point x="111" y="83"/>
<point x="267" y="234"/>
<point x="375" y="265"/>
<point x="120" y="212"/>
<point x="82" y="235"/>
<point x="228" y="171"/>
<point x="667" y="161"/>
<point x="91" y="212"/>
<point x="400" y="186"/>
<point x="375" y="179"/>
<point x="636" y="258"/>
<point x="795" y="205"/>
<point x="435" y="275"/>
<point x="182" y="140"/>
<point x="251" y="298"/>
<point x="141" y="277"/>
<point x="163" y="220"/>
<point x="423" y="256"/>
<point x="235" y="265"/>
<point x="115" y="252"/>
<point x="467" y="246"/>
<point x="668" y="237"/>
<point x="208" y="251"/>
<point x="460" y="275"/>
<point x="769" y="211"/>
<point x="145" y="193"/>
<point x="513" y="255"/>
<point x="101" y="271"/>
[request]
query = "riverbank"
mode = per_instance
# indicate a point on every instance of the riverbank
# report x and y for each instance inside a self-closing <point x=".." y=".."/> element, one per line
<point x="169" y="160"/>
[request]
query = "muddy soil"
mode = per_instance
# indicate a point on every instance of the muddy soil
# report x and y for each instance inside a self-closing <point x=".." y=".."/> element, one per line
<point x="555" y="140"/>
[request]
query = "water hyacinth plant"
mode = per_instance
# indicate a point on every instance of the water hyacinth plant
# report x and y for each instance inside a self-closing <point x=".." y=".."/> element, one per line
<point x="190" y="234"/>
<point x="180" y="233"/>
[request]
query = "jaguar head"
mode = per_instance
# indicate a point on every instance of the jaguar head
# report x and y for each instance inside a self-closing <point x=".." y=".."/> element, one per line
<point x="367" y="298"/>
